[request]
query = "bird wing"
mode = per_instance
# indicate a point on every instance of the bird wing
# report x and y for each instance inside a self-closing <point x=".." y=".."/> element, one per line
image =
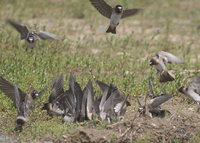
<point x="102" y="85"/>
<point x="128" y="12"/>
<point x="23" y="30"/>
<point x="150" y="88"/>
<point x="8" y="89"/>
<point x="169" y="58"/>
<point x="139" y="102"/>
<point x="79" y="97"/>
<point x="159" y="100"/>
<point x="83" y="106"/>
<point x="17" y="99"/>
<point x="102" y="7"/>
<point x="45" y="35"/>
<point x="90" y="100"/>
<point x="195" y="84"/>
<point x="120" y="113"/>
<point x="96" y="105"/>
<point x="103" y="99"/>
<point x="108" y="106"/>
<point x="57" y="89"/>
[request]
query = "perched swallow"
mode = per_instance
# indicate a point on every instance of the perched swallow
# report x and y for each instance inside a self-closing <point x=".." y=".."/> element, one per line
<point x="107" y="106"/>
<point x="118" y="100"/>
<point x="31" y="37"/>
<point x="113" y="13"/>
<point x="90" y="110"/>
<point x="54" y="106"/>
<point x="90" y="107"/>
<point x="73" y="102"/>
<point x="119" y="103"/>
<point x="153" y="104"/>
<point x="193" y="90"/>
<point x="73" y="111"/>
<point x="159" y="61"/>
<point x="122" y="110"/>
<point x="8" y="89"/>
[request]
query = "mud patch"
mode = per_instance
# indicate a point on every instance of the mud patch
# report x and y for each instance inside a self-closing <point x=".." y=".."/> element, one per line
<point x="177" y="126"/>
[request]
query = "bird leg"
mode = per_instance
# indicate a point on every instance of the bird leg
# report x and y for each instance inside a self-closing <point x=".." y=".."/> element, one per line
<point x="32" y="110"/>
<point x="31" y="50"/>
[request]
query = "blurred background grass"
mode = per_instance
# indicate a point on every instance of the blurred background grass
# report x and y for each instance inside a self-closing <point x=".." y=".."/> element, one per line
<point x="90" y="53"/>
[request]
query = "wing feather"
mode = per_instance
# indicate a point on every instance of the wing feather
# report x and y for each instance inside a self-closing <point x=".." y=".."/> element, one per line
<point x="102" y="7"/>
<point x="23" y="30"/>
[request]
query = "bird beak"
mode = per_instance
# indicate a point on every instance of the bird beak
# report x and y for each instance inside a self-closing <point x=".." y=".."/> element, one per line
<point x="120" y="8"/>
<point x="36" y="95"/>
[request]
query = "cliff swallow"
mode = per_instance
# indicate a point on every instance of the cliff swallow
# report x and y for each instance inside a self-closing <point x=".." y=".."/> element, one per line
<point x="107" y="106"/>
<point x="118" y="100"/>
<point x="193" y="90"/>
<point x="31" y="37"/>
<point x="112" y="13"/>
<point x="22" y="108"/>
<point x="8" y="89"/>
<point x="159" y="61"/>
<point x="73" y="102"/>
<point x="153" y="104"/>
<point x="90" y="110"/>
<point x="72" y="113"/>
<point x="119" y="103"/>
<point x="90" y="107"/>
<point x="54" y="106"/>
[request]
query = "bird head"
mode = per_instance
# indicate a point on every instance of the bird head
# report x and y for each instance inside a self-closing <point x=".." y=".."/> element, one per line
<point x="182" y="89"/>
<point x="153" y="62"/>
<point x="46" y="106"/>
<point x="30" y="39"/>
<point x="118" y="8"/>
<point x="127" y="103"/>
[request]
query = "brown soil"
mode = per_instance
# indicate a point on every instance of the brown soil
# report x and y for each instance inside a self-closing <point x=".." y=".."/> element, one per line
<point x="181" y="125"/>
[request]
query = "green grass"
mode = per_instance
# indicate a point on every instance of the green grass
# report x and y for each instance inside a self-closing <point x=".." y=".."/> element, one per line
<point x="90" y="53"/>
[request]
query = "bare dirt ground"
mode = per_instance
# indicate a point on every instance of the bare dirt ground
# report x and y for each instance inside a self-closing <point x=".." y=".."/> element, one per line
<point x="182" y="125"/>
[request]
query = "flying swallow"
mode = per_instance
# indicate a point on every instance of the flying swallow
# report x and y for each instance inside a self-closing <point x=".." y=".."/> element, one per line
<point x="113" y="13"/>
<point x="159" y="61"/>
<point x="31" y="37"/>
<point x="54" y="106"/>
<point x="193" y="90"/>
<point x="153" y="104"/>
<point x="22" y="108"/>
<point x="8" y="89"/>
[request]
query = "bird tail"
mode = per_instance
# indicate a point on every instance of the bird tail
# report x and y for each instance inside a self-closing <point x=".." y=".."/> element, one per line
<point x="164" y="77"/>
<point x="111" y="30"/>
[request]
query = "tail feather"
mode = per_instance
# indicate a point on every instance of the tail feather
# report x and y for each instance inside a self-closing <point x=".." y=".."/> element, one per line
<point x="164" y="77"/>
<point x="111" y="30"/>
